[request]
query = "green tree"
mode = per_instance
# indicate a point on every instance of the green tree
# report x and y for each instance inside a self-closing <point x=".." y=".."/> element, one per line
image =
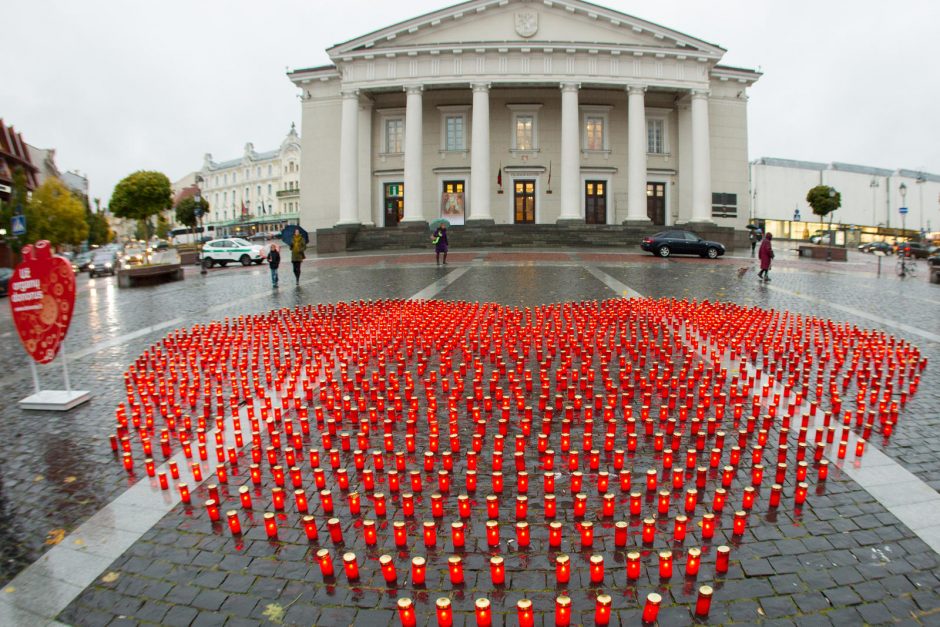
<point x="142" y="230"/>
<point x="186" y="211"/>
<point x="55" y="214"/>
<point x="99" y="232"/>
<point x="141" y="195"/>
<point x="18" y="203"/>
<point x="824" y="200"/>
<point x="163" y="226"/>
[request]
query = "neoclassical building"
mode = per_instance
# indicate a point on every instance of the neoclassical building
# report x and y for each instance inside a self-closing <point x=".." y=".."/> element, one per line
<point x="255" y="189"/>
<point x="524" y="111"/>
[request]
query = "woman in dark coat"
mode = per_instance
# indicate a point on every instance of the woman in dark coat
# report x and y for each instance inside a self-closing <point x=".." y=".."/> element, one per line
<point x="440" y="243"/>
<point x="297" y="247"/>
<point x="766" y="253"/>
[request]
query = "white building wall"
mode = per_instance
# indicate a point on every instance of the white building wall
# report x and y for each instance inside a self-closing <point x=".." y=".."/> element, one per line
<point x="319" y="198"/>
<point x="727" y="109"/>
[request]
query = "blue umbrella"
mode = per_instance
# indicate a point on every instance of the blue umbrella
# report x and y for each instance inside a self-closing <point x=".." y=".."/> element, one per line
<point x="287" y="235"/>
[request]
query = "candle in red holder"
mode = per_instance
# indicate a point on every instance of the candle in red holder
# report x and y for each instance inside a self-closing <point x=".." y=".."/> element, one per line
<point x="184" y="493"/>
<point x="722" y="554"/>
<point x="522" y="507"/>
<point x="483" y="613"/>
<point x="277" y="497"/>
<point x="633" y="565"/>
<point x="740" y="523"/>
<point x="823" y="470"/>
<point x="164" y="482"/>
<point x="562" y="611"/>
<point x="704" y="602"/>
<point x="406" y="613"/>
<point x="800" y="496"/>
<point x="650" y="480"/>
<point x="525" y="613"/>
<point x="663" y="502"/>
<point x="471" y="480"/>
<point x="680" y="527"/>
<point x="418" y="570"/>
<point x="747" y="499"/>
<point x="351" y="566"/>
<point x="457" y="534"/>
<point x="522" y="482"/>
<point x="580" y="505"/>
<point x="368" y="532"/>
<point x="708" y="526"/>
<point x="649" y="530"/>
<point x="775" y="492"/>
<point x="636" y="503"/>
<point x="602" y="610"/>
<point x="691" y="499"/>
<point x="437" y="505"/>
<point x="587" y="533"/>
<point x="378" y="501"/>
<point x="326" y="501"/>
<point x="270" y="525"/>
<point x="325" y="562"/>
<point x="497" y="570"/>
<point x="651" y="609"/>
<point x="455" y="568"/>
<point x="445" y="616"/>
<point x="492" y="507"/>
<point x="554" y="534"/>
<point x="522" y="534"/>
<point x="463" y="506"/>
<point x="430" y="534"/>
<point x="492" y="533"/>
<point x="692" y="562"/>
<point x="597" y="568"/>
<point x="620" y="533"/>
<point x="234" y="524"/>
<point x="400" y="533"/>
<point x="562" y="569"/>
<point x="336" y="530"/>
<point x="310" y="527"/>
<point x="212" y="508"/>
<point x="388" y="569"/>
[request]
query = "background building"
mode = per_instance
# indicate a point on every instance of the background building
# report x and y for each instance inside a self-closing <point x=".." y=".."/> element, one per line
<point x="14" y="153"/>
<point x="871" y="199"/>
<point x="518" y="112"/>
<point x="258" y="192"/>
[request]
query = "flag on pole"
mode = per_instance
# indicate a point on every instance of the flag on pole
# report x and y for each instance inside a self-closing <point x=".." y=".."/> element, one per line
<point x="499" y="175"/>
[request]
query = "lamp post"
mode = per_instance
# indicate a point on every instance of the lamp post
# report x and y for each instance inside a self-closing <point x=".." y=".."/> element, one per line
<point x="197" y="199"/>
<point x="903" y="189"/>
<point x="832" y="197"/>
<point x="920" y="180"/>
<point x="874" y="186"/>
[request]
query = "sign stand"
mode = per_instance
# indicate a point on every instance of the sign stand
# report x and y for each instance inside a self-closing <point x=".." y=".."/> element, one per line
<point x="54" y="400"/>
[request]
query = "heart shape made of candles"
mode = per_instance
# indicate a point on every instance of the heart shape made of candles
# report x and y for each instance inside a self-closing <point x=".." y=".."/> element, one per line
<point x="42" y="299"/>
<point x="429" y="429"/>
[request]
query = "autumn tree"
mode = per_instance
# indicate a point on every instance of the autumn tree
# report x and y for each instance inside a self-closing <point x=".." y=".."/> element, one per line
<point x="188" y="211"/>
<point x="141" y="195"/>
<point x="55" y="214"/>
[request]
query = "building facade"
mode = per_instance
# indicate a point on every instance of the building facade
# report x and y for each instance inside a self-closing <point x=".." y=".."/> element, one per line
<point x="511" y="111"/>
<point x="256" y="192"/>
<point x="872" y="199"/>
<point x="15" y="154"/>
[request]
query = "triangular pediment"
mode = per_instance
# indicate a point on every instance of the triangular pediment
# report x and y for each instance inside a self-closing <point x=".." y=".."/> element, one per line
<point x="541" y="23"/>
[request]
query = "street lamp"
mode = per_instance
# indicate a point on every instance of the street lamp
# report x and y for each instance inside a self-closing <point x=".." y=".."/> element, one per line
<point x="903" y="189"/>
<point x="832" y="197"/>
<point x="920" y="180"/>
<point x="874" y="186"/>
<point x="197" y="200"/>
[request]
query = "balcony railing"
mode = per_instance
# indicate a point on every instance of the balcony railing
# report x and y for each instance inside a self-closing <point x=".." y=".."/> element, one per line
<point x="286" y="193"/>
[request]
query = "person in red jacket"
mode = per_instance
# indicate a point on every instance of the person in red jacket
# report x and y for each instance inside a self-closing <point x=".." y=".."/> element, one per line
<point x="766" y="253"/>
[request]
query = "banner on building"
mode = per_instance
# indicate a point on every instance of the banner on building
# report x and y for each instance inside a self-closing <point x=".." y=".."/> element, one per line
<point x="452" y="207"/>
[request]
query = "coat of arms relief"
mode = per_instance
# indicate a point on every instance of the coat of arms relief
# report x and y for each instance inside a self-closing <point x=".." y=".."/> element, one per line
<point x="527" y="23"/>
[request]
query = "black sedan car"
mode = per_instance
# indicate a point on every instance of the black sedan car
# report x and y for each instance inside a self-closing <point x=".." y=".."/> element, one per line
<point x="678" y="242"/>
<point x="5" y="274"/>
<point x="105" y="262"/>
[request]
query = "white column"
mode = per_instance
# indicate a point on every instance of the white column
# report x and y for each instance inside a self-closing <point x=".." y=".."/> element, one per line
<point x="365" y="162"/>
<point x="414" y="211"/>
<point x="349" y="159"/>
<point x="480" y="154"/>
<point x="701" y="159"/>
<point x="570" y="154"/>
<point x="636" y="154"/>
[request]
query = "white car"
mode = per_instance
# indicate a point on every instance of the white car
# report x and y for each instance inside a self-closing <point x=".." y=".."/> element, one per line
<point x="230" y="250"/>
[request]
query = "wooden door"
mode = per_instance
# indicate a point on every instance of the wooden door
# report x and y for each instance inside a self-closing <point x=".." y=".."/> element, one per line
<point x="656" y="202"/>
<point x="595" y="202"/>
<point x="524" y="201"/>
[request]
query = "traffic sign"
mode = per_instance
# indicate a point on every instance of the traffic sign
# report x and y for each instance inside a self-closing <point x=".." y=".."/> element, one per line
<point x="902" y="210"/>
<point x="19" y="225"/>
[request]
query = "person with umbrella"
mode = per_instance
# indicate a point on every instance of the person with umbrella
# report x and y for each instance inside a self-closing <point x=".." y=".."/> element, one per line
<point x="755" y="236"/>
<point x="296" y="237"/>
<point x="439" y="239"/>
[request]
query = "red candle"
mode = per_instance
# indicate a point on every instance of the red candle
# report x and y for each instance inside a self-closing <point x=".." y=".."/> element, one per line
<point x="680" y="527"/>
<point x="740" y="523"/>
<point x="164" y="482"/>
<point x="722" y="553"/>
<point x="336" y="530"/>
<point x="522" y="534"/>
<point x="580" y="505"/>
<point x="437" y="505"/>
<point x="457" y="534"/>
<point x="492" y="507"/>
<point x="326" y="563"/>
<point x="823" y="470"/>
<point x="562" y="611"/>
<point x="562" y="569"/>
<point x="355" y="505"/>
<point x="463" y="506"/>
<point x="388" y="569"/>
<point x="649" y="530"/>
<point x="418" y="570"/>
<point x="350" y="566"/>
<point x="636" y="503"/>
<point x="525" y="613"/>
<point x="663" y="502"/>
<point x="620" y="533"/>
<point x="775" y="491"/>
<point x="483" y="613"/>
<point x="597" y="568"/>
<point x="554" y="534"/>
<point x="550" y="506"/>
<point x="444" y="614"/>
<point x="455" y="568"/>
<point x="602" y="609"/>
<point x="708" y="526"/>
<point x="270" y="525"/>
<point x="548" y="482"/>
<point x="587" y="534"/>
<point x="801" y="490"/>
<point x="692" y="562"/>
<point x="719" y="501"/>
<point x="184" y="493"/>
<point x="234" y="524"/>
<point x="650" y="480"/>
<point x="369" y="533"/>
<point x="747" y="500"/>
<point x="521" y="507"/>
<point x="633" y="565"/>
<point x="310" y="527"/>
<point x="277" y="497"/>
<point x="691" y="499"/>
<point x="378" y="501"/>
<point x="406" y="613"/>
<point x="665" y="564"/>
<point x="704" y="601"/>
<point x="430" y="534"/>
<point x="651" y="609"/>
<point x="497" y="570"/>
<point x="492" y="533"/>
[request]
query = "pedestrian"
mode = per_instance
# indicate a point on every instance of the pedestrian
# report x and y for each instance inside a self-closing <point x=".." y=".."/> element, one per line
<point x="297" y="256"/>
<point x="755" y="237"/>
<point x="440" y="243"/>
<point x="274" y="260"/>
<point x="766" y="253"/>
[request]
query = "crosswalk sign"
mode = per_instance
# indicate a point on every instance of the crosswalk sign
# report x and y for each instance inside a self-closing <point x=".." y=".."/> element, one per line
<point x="19" y="225"/>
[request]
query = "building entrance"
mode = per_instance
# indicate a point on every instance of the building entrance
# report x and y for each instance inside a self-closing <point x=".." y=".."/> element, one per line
<point x="394" y="203"/>
<point x="524" y="201"/>
<point x="656" y="203"/>
<point x="595" y="202"/>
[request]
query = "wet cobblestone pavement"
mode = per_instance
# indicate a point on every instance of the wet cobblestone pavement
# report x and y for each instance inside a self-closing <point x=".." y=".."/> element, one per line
<point x="843" y="559"/>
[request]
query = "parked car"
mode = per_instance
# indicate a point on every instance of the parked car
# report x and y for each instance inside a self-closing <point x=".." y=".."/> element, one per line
<point x="883" y="247"/>
<point x="230" y="250"/>
<point x="5" y="275"/>
<point x="80" y="263"/>
<point x="677" y="242"/>
<point x="933" y="267"/>
<point x="913" y="249"/>
<point x="104" y="262"/>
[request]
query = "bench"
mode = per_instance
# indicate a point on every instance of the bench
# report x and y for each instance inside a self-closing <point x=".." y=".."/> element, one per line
<point x="148" y="275"/>
<point x="813" y="251"/>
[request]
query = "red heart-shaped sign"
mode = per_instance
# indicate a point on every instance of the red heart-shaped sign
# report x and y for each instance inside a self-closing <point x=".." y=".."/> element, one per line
<point x="42" y="298"/>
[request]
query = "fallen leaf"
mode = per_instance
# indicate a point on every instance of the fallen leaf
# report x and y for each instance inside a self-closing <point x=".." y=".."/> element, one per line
<point x="69" y="480"/>
<point x="110" y="577"/>
<point x="10" y="589"/>
<point x="55" y="536"/>
<point x="79" y="542"/>
<point x="760" y="611"/>
<point x="274" y="613"/>
<point x="38" y="478"/>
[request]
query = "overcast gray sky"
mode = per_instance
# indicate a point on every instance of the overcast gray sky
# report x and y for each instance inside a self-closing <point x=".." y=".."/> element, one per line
<point x="118" y="86"/>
